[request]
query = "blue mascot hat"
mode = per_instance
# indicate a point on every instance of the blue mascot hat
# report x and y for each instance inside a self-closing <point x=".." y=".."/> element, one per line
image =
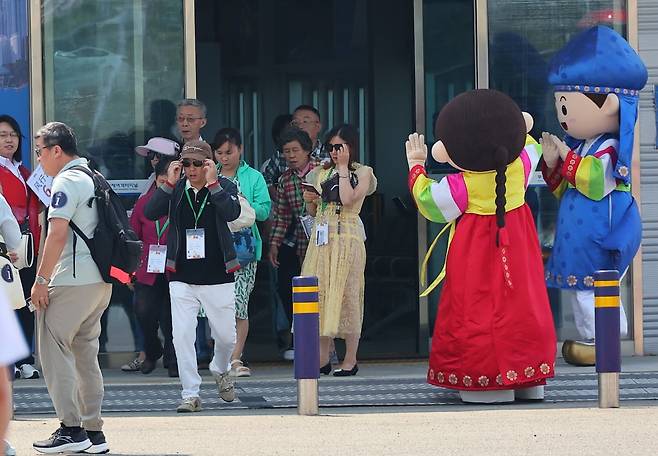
<point x="599" y="60"/>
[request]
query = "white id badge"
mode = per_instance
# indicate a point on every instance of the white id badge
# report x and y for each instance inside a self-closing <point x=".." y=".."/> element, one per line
<point x="322" y="234"/>
<point x="157" y="259"/>
<point x="195" y="241"/>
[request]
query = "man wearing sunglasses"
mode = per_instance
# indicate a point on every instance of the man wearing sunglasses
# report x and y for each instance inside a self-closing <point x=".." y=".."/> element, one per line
<point x="201" y="259"/>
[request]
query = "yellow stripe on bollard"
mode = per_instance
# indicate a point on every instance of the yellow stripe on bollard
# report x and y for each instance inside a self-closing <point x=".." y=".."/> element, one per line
<point x="606" y="283"/>
<point x="305" y="289"/>
<point x="305" y="307"/>
<point x="606" y="301"/>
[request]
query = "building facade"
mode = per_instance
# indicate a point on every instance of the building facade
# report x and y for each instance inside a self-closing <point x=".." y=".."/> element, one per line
<point x="114" y="69"/>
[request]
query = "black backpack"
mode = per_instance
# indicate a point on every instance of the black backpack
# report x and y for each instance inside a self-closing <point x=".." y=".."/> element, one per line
<point x="114" y="243"/>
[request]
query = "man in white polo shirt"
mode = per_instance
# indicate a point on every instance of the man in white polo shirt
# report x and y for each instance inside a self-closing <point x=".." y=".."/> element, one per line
<point x="70" y="296"/>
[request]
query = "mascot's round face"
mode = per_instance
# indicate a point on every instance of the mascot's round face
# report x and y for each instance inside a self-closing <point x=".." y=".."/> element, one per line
<point x="581" y="118"/>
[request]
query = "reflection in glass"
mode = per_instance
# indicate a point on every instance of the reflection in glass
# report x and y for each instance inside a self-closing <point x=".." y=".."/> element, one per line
<point x="449" y="57"/>
<point x="523" y="37"/>
<point x="113" y="71"/>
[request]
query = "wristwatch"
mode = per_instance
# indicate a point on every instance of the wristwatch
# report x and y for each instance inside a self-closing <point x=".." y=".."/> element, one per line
<point x="41" y="280"/>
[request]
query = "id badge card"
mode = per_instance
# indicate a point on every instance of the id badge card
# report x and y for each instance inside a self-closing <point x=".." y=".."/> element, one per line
<point x="195" y="242"/>
<point x="157" y="259"/>
<point x="322" y="234"/>
<point x="307" y="225"/>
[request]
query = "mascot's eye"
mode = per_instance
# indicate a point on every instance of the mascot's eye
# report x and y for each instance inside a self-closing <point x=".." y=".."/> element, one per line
<point x="564" y="110"/>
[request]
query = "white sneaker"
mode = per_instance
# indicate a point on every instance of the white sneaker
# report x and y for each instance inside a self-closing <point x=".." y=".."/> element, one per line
<point x="289" y="355"/>
<point x="28" y="372"/>
<point x="225" y="387"/>
<point x="189" y="405"/>
<point x="132" y="366"/>
<point x="9" y="450"/>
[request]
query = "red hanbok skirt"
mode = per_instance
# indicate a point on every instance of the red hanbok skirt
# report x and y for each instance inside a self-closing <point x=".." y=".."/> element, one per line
<point x="490" y="335"/>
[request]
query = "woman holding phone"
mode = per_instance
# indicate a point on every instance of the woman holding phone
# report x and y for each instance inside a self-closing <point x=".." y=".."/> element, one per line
<point x="336" y="253"/>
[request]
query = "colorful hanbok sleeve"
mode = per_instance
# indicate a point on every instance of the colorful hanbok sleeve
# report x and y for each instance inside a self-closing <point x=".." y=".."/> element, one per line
<point x="530" y="157"/>
<point x="592" y="175"/>
<point x="441" y="201"/>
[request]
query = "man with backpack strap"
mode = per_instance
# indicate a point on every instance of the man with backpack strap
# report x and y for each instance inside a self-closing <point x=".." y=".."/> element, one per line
<point x="70" y="296"/>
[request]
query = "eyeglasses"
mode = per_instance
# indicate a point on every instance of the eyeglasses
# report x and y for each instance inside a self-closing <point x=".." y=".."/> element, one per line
<point x="334" y="147"/>
<point x="9" y="134"/>
<point x="187" y="163"/>
<point x="187" y="119"/>
<point x="37" y="149"/>
<point x="297" y="123"/>
<point x="151" y="155"/>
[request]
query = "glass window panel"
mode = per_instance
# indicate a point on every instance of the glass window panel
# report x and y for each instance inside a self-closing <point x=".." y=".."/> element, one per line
<point x="449" y="57"/>
<point x="523" y="37"/>
<point x="113" y="71"/>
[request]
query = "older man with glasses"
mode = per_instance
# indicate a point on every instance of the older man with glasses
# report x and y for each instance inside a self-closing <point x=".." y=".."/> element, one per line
<point x="306" y="118"/>
<point x="190" y="119"/>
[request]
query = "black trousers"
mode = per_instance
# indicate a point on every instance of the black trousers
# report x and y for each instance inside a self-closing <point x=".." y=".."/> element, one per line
<point x="25" y="317"/>
<point x="289" y="267"/>
<point x="153" y="310"/>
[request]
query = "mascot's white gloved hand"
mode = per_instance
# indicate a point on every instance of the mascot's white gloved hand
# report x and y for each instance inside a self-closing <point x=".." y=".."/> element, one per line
<point x="550" y="150"/>
<point x="416" y="150"/>
<point x="562" y="147"/>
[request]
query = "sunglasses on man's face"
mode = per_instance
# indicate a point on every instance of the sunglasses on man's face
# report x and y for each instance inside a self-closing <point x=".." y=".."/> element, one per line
<point x="151" y="155"/>
<point x="187" y="163"/>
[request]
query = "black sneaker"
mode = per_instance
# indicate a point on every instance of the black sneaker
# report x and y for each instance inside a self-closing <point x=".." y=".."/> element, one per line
<point x="98" y="443"/>
<point x="64" y="439"/>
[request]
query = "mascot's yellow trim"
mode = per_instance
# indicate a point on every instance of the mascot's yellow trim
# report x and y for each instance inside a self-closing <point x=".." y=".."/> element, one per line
<point x="442" y="274"/>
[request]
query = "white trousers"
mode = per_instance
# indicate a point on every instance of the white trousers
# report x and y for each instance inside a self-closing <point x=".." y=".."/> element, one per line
<point x="218" y="301"/>
<point x="582" y="302"/>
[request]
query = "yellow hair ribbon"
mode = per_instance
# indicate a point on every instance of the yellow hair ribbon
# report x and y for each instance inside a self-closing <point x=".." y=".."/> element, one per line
<point x="442" y="274"/>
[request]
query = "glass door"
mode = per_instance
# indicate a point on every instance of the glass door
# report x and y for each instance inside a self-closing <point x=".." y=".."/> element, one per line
<point x="523" y="36"/>
<point x="449" y="68"/>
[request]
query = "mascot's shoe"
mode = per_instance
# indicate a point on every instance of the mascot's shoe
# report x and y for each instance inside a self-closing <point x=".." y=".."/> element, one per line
<point x="534" y="393"/>
<point x="487" y="397"/>
<point x="579" y="353"/>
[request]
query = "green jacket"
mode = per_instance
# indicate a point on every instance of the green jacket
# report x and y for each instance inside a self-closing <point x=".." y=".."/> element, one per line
<point x="253" y="187"/>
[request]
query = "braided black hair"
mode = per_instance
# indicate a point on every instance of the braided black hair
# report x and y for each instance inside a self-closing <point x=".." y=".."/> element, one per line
<point x="501" y="166"/>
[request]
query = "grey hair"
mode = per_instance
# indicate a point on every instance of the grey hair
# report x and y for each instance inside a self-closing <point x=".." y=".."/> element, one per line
<point x="58" y="134"/>
<point x="193" y="102"/>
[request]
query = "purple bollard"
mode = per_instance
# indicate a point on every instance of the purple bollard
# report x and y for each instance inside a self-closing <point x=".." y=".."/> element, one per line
<point x="607" y="336"/>
<point x="306" y="334"/>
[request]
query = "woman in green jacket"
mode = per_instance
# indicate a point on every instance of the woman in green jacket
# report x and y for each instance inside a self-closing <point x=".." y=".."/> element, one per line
<point x="228" y="153"/>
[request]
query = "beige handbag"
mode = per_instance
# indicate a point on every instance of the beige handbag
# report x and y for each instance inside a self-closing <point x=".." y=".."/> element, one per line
<point x="247" y="216"/>
<point x="10" y="283"/>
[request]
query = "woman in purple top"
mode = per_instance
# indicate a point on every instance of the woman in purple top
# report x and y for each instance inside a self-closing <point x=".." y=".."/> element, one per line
<point x="152" y="304"/>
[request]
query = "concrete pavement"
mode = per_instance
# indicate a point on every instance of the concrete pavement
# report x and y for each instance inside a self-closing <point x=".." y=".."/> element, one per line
<point x="553" y="427"/>
<point x="411" y="431"/>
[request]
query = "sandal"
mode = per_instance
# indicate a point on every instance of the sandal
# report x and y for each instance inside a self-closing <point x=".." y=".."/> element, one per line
<point x="238" y="369"/>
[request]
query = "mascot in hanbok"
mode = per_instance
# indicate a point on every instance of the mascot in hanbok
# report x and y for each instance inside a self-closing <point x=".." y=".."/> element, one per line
<point x="494" y="339"/>
<point x="597" y="77"/>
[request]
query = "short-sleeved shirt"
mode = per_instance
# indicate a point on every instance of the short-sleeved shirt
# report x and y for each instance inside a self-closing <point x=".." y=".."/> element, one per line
<point x="12" y="343"/>
<point x="71" y="192"/>
<point x="9" y="229"/>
